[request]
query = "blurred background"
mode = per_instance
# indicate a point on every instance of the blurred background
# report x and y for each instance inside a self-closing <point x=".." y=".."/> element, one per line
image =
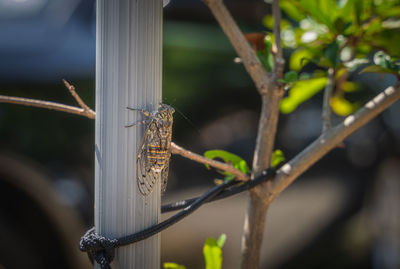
<point x="342" y="213"/>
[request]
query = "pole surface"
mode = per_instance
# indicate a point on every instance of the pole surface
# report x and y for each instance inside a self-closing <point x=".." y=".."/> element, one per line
<point x="128" y="73"/>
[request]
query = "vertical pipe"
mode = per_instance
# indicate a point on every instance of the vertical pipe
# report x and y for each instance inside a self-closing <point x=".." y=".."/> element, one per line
<point x="128" y="73"/>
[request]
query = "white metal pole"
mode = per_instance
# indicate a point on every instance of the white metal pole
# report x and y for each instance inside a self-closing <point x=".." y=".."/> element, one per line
<point x="128" y="73"/>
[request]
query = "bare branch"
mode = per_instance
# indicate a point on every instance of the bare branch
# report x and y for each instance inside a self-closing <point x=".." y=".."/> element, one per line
<point x="48" y="105"/>
<point x="279" y="61"/>
<point x="319" y="148"/>
<point x="201" y="159"/>
<point x="82" y="104"/>
<point x="257" y="206"/>
<point x="253" y="66"/>
<point x="89" y="113"/>
<point x="326" y="107"/>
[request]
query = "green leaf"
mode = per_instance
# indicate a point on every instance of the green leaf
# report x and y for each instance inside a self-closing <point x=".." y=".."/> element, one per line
<point x="349" y="86"/>
<point x="277" y="157"/>
<point x="299" y="58"/>
<point x="378" y="69"/>
<point x="230" y="158"/>
<point x="289" y="77"/>
<point x="384" y="60"/>
<point x="331" y="52"/>
<point x="292" y="10"/>
<point x="212" y="254"/>
<point x="221" y="240"/>
<point x="324" y="11"/>
<point x="342" y="107"/>
<point x="171" y="265"/>
<point x="265" y="55"/>
<point x="301" y="91"/>
<point x="268" y="22"/>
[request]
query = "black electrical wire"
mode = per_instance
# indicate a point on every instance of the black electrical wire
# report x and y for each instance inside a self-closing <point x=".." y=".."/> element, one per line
<point x="101" y="249"/>
<point x="242" y="186"/>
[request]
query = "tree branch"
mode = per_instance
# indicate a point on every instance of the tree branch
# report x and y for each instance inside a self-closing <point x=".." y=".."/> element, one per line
<point x="278" y="60"/>
<point x="320" y="147"/>
<point x="252" y="64"/>
<point x="326" y="107"/>
<point x="82" y="104"/>
<point x="201" y="159"/>
<point x="48" y="105"/>
<point x="253" y="229"/>
<point x="89" y="113"/>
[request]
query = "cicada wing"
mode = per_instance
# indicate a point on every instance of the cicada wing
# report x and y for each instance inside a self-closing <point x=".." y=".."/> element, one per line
<point x="146" y="178"/>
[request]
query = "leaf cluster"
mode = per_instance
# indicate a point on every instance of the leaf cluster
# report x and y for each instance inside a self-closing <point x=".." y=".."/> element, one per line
<point x="338" y="34"/>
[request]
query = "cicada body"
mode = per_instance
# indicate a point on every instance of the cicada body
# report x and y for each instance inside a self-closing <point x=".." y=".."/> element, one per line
<point x="155" y="149"/>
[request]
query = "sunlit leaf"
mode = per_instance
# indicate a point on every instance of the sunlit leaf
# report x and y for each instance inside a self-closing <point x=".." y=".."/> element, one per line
<point x="349" y="86"/>
<point x="221" y="240"/>
<point x="301" y="91"/>
<point x="268" y="22"/>
<point x="230" y="158"/>
<point x="299" y="58"/>
<point x="289" y="7"/>
<point x="342" y="107"/>
<point x="212" y="254"/>
<point x="324" y="11"/>
<point x="277" y="157"/>
<point x="171" y="265"/>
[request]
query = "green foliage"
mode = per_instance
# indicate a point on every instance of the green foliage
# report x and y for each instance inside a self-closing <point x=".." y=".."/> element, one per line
<point x="265" y="55"/>
<point x="301" y="91"/>
<point x="212" y="252"/>
<point x="341" y="35"/>
<point x="171" y="265"/>
<point x="289" y="77"/>
<point x="230" y="158"/>
<point x="383" y="64"/>
<point x="277" y="157"/>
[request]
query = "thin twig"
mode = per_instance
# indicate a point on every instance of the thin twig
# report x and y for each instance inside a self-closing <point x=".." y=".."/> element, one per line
<point x="252" y="64"/>
<point x="279" y="60"/>
<point x="201" y="159"/>
<point x="326" y="107"/>
<point x="82" y="104"/>
<point x="48" y="105"/>
<point x="92" y="115"/>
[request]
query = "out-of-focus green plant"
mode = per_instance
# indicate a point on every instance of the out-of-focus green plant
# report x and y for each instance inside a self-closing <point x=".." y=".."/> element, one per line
<point x="172" y="265"/>
<point x="338" y="34"/>
<point x="212" y="252"/>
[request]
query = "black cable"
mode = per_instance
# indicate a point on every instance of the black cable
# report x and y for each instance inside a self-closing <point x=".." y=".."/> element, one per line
<point x="266" y="175"/>
<point x="101" y="249"/>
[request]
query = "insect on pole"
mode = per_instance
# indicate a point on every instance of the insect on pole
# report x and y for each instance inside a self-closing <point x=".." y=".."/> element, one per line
<point x="128" y="74"/>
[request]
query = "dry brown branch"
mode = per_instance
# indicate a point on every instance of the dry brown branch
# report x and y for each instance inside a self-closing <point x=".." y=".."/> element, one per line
<point x="201" y="159"/>
<point x="320" y="147"/>
<point x="326" y="107"/>
<point x="87" y="112"/>
<point x="48" y="105"/>
<point x="82" y="104"/>
<point x="253" y="66"/>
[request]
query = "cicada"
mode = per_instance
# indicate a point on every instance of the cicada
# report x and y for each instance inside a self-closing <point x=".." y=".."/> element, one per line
<point x="155" y="148"/>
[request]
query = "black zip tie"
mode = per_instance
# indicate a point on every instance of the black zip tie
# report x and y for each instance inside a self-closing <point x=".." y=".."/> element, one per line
<point x="102" y="249"/>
